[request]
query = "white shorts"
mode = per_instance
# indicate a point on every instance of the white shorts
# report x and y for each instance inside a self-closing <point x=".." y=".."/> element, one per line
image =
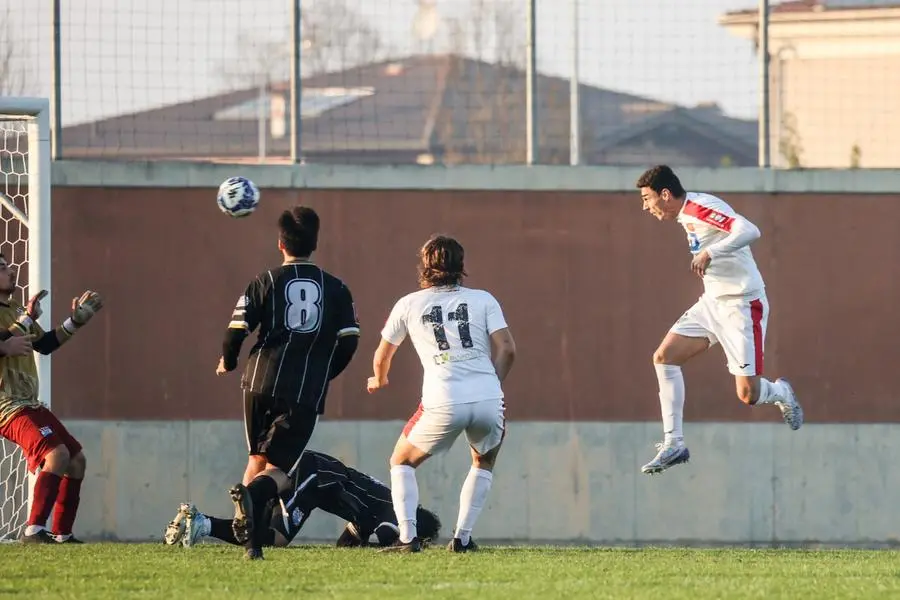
<point x="738" y="324"/>
<point x="434" y="430"/>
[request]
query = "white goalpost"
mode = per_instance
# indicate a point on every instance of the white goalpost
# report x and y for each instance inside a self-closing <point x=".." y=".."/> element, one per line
<point x="25" y="242"/>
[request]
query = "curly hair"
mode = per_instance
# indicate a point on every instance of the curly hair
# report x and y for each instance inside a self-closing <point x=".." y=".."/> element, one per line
<point x="428" y="524"/>
<point x="441" y="262"/>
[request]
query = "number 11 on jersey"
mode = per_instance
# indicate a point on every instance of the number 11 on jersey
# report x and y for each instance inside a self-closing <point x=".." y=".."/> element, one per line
<point x="436" y="318"/>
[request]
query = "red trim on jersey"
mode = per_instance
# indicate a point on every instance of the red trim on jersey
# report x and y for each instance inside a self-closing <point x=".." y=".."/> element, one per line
<point x="708" y="215"/>
<point x="413" y="420"/>
<point x="756" y="315"/>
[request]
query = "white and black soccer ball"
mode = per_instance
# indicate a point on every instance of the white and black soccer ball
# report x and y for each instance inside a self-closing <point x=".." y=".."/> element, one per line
<point x="238" y="197"/>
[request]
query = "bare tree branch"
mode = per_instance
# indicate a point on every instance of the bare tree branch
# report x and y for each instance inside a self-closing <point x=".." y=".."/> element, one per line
<point x="335" y="37"/>
<point x="13" y="78"/>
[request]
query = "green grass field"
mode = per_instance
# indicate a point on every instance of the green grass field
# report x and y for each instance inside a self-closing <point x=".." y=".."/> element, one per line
<point x="101" y="571"/>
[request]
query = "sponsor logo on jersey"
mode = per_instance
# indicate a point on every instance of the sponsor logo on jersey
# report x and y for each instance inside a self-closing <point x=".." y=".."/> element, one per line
<point x="46" y="431"/>
<point x="452" y="357"/>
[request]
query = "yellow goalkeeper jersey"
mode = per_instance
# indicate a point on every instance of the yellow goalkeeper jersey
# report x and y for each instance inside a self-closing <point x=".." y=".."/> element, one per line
<point x="18" y="374"/>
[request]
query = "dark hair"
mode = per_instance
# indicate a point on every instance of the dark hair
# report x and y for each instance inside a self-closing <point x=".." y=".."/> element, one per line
<point x="299" y="231"/>
<point x="441" y="262"/>
<point x="428" y="525"/>
<point x="659" y="178"/>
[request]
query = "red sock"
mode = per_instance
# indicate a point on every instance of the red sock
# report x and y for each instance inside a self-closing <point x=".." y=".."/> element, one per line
<point x="46" y="489"/>
<point x="66" y="506"/>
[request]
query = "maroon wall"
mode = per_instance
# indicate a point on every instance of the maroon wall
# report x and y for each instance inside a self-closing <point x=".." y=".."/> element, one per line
<point x="588" y="282"/>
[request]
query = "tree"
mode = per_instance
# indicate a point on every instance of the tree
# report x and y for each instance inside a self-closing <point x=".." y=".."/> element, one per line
<point x="13" y="78"/>
<point x="790" y="146"/>
<point x="855" y="156"/>
<point x="334" y="37"/>
<point x="485" y="120"/>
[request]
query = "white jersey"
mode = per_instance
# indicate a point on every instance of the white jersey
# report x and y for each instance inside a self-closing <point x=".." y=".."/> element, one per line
<point x="712" y="225"/>
<point x="450" y="328"/>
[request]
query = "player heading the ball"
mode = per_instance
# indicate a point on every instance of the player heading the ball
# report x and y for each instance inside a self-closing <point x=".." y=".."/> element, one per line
<point x="732" y="311"/>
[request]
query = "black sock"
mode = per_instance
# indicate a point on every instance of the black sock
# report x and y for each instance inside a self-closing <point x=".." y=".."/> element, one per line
<point x="261" y="490"/>
<point x="221" y="529"/>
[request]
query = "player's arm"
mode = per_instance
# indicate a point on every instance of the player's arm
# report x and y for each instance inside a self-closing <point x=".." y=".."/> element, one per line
<point x="347" y="336"/>
<point x="741" y="232"/>
<point x="244" y="320"/>
<point x="23" y="325"/>
<point x="503" y="346"/>
<point x="392" y="335"/>
<point x="83" y="310"/>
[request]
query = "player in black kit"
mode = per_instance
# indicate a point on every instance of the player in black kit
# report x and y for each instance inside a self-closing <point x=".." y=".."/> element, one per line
<point x="320" y="481"/>
<point x="308" y="333"/>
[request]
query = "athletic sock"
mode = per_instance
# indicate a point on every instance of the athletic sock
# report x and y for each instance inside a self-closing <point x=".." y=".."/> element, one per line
<point x="46" y="490"/>
<point x="472" y="499"/>
<point x="671" y="402"/>
<point x="770" y="392"/>
<point x="405" y="495"/>
<point x="221" y="529"/>
<point x="66" y="505"/>
<point x="262" y="489"/>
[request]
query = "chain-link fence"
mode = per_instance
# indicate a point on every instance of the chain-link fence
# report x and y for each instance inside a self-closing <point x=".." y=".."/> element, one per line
<point x="448" y="81"/>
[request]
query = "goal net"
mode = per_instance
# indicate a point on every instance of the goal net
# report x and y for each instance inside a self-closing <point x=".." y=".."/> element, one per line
<point x="25" y="242"/>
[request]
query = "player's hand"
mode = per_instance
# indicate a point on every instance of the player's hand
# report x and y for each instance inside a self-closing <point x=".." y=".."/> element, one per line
<point x="33" y="308"/>
<point x="700" y="263"/>
<point x="220" y="369"/>
<point x="17" y="345"/>
<point x="85" y="307"/>
<point x="374" y="384"/>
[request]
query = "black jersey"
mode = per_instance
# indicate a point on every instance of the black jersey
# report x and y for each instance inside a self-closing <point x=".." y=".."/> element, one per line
<point x="301" y="311"/>
<point x="322" y="481"/>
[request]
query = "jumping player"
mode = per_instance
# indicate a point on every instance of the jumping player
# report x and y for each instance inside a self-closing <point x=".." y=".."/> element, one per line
<point x="44" y="441"/>
<point x="320" y="481"/>
<point x="733" y="310"/>
<point x="466" y="350"/>
<point x="308" y="332"/>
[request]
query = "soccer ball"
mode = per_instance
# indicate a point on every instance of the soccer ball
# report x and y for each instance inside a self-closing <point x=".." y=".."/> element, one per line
<point x="238" y="196"/>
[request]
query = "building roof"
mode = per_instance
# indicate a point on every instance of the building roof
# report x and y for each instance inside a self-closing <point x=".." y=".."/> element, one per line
<point x="818" y="6"/>
<point x="396" y="110"/>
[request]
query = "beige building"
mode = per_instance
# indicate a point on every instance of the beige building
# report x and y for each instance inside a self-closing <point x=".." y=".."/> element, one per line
<point x="835" y="81"/>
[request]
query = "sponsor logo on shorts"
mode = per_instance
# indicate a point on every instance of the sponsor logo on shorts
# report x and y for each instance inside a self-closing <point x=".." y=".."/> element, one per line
<point x="46" y="431"/>
<point x="296" y="517"/>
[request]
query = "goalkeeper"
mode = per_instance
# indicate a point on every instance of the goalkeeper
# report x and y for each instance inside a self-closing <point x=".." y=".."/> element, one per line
<point x="44" y="441"/>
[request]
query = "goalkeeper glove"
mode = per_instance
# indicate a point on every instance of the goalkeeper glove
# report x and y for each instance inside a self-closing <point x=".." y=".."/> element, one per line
<point x="83" y="310"/>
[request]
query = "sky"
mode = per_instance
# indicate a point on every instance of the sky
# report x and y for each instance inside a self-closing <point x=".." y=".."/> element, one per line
<point x="126" y="56"/>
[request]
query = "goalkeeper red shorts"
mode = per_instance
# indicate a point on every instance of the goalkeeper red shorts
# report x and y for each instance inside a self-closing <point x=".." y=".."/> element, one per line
<point x="37" y="431"/>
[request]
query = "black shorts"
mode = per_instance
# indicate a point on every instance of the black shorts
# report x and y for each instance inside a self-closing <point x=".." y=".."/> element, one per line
<point x="277" y="429"/>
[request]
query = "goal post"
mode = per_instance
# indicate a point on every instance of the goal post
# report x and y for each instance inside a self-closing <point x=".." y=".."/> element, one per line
<point x="25" y="162"/>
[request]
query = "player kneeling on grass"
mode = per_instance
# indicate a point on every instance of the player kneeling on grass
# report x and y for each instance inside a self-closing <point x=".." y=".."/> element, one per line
<point x="466" y="351"/>
<point x="44" y="441"/>
<point x="320" y="481"/>
<point x="732" y="311"/>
